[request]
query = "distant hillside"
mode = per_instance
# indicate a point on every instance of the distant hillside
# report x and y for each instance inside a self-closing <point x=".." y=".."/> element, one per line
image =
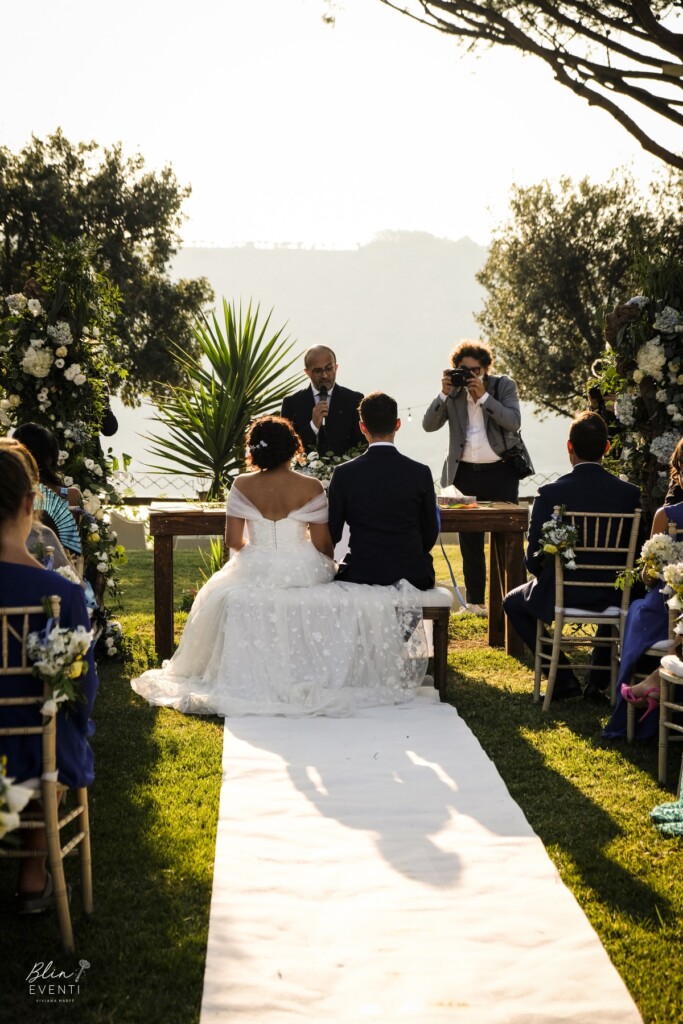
<point x="391" y="310"/>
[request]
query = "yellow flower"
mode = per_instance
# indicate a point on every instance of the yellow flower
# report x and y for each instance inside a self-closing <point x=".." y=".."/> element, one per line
<point x="550" y="549"/>
<point x="94" y="537"/>
<point x="76" y="669"/>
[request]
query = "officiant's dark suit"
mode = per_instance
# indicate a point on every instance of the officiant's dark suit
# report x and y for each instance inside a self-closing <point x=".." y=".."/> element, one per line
<point x="332" y="427"/>
<point x="389" y="504"/>
<point x="588" y="488"/>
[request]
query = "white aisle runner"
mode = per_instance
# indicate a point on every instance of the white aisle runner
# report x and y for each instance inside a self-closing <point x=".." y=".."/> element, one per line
<point x="375" y="868"/>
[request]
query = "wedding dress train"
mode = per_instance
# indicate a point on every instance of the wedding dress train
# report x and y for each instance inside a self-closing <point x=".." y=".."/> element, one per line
<point x="271" y="634"/>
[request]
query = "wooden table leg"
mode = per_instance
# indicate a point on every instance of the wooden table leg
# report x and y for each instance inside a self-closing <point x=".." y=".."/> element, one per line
<point x="163" y="595"/>
<point x="496" y="590"/>
<point x="515" y="576"/>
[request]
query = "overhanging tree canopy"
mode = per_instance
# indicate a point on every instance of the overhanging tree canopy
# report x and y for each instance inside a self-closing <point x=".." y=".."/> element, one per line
<point x="626" y="58"/>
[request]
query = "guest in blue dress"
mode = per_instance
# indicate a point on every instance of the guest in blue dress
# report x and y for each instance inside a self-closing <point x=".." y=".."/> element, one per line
<point x="647" y="623"/>
<point x="24" y="581"/>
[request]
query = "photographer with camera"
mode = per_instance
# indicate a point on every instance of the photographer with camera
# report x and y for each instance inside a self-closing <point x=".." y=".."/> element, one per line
<point x="486" y="456"/>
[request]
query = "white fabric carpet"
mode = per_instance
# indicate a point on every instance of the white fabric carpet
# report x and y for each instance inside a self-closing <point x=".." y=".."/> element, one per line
<point x="375" y="868"/>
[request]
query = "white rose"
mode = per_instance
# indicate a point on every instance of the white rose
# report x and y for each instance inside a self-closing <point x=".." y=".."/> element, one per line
<point x="638" y="376"/>
<point x="61" y="351"/>
<point x="102" y="567"/>
<point x="59" y="363"/>
<point x="68" y="481"/>
<point x="14" y="401"/>
<point x="79" y="379"/>
<point x="99" y="514"/>
<point x="98" y="471"/>
<point x="4" y="403"/>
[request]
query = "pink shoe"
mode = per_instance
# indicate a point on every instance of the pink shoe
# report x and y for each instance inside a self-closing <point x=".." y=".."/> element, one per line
<point x="645" y="698"/>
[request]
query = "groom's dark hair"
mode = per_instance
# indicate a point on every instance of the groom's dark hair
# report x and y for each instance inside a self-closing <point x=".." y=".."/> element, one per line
<point x="379" y="413"/>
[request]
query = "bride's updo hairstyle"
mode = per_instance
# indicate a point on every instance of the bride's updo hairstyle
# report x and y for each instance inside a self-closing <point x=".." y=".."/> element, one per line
<point x="271" y="442"/>
<point x="19" y="475"/>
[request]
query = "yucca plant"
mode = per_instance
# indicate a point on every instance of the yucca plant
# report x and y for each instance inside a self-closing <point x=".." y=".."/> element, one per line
<point x="207" y="417"/>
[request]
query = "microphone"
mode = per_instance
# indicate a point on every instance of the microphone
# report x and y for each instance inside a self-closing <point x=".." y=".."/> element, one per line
<point x="322" y="392"/>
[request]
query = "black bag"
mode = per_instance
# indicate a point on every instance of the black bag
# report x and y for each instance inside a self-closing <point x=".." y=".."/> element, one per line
<point x="519" y="460"/>
<point x="517" y="455"/>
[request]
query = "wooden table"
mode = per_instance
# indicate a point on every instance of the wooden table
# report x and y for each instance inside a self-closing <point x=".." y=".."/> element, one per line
<point x="506" y="524"/>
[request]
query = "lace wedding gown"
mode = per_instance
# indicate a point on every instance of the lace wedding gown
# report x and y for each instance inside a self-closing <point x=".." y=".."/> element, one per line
<point x="271" y="634"/>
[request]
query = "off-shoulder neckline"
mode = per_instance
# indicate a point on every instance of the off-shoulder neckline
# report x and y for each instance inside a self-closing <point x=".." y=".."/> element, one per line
<point x="260" y="514"/>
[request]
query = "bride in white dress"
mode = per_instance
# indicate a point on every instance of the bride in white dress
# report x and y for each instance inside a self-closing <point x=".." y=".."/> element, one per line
<point x="270" y="633"/>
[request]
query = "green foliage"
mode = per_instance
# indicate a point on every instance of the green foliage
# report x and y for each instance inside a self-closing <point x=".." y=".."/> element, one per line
<point x="54" y="189"/>
<point x="207" y="416"/>
<point x="641" y="375"/>
<point x="564" y="255"/>
<point x="56" y="343"/>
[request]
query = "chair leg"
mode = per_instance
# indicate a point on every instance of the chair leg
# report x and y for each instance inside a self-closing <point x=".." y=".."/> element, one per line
<point x="554" y="663"/>
<point x="84" y="851"/>
<point x="663" y="730"/>
<point x="540" y="633"/>
<point x="56" y="864"/>
<point x="614" y="666"/>
<point x="630" y="722"/>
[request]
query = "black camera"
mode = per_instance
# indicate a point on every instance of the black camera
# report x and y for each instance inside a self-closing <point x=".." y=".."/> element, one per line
<point x="460" y="375"/>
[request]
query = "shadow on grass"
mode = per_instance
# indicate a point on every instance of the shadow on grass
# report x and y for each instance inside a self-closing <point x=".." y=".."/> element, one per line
<point x="154" y="807"/>
<point x="528" y="748"/>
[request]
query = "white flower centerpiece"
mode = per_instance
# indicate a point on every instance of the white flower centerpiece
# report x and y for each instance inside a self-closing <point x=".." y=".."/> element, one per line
<point x="323" y="466"/>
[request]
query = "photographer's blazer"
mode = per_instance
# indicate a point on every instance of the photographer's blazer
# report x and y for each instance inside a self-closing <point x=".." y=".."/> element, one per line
<point x="588" y="488"/>
<point x="389" y="504"/>
<point x="342" y="428"/>
<point x="501" y="413"/>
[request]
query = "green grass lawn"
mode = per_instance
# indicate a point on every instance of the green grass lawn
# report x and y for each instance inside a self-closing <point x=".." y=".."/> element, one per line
<point x="155" y="804"/>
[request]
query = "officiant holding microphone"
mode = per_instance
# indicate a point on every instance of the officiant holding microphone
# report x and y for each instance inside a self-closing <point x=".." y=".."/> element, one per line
<point x="325" y="414"/>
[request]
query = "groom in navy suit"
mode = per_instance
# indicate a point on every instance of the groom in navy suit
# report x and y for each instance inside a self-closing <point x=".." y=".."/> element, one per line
<point x="389" y="504"/>
<point x="324" y="415"/>
<point x="588" y="488"/>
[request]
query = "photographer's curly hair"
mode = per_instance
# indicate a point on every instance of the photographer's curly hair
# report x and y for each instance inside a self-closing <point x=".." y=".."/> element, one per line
<point x="272" y="441"/>
<point x="472" y="350"/>
<point x="676" y="465"/>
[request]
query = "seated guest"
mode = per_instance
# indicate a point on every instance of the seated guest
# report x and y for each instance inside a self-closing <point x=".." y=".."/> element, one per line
<point x="24" y="581"/>
<point x="588" y="488"/>
<point x="389" y="504"/>
<point x="54" y="499"/>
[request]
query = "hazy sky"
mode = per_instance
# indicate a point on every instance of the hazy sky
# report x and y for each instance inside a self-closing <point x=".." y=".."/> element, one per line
<point x="291" y="131"/>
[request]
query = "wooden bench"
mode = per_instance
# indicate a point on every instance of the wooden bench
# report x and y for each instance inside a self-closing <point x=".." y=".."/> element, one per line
<point x="436" y="608"/>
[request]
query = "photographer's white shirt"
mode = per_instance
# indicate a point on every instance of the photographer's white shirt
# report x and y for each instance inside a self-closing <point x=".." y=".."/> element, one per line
<point x="477" y="448"/>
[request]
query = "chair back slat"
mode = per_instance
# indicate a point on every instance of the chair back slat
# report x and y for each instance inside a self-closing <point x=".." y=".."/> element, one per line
<point x="613" y="536"/>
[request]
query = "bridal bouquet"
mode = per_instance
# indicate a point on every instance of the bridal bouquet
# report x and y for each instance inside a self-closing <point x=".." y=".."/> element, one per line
<point x="13" y="799"/>
<point x="58" y="656"/>
<point x="673" y="579"/>
<point x="656" y="553"/>
<point x="323" y="466"/>
<point x="558" y="537"/>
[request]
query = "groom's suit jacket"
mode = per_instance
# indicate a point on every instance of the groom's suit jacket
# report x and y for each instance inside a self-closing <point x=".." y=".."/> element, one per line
<point x="588" y="488"/>
<point x="389" y="504"/>
<point x="341" y="430"/>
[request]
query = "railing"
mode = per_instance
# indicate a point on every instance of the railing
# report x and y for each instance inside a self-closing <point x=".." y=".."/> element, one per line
<point x="143" y="488"/>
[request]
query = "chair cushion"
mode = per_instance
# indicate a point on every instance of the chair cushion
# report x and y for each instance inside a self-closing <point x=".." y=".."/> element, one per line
<point x="439" y="597"/>
<point x="607" y="613"/>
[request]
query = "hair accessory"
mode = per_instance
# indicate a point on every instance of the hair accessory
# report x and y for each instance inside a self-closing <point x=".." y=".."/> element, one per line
<point x="261" y="444"/>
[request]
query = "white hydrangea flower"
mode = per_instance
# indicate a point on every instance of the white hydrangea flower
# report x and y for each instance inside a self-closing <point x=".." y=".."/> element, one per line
<point x="37" y="342"/>
<point x="662" y="447"/>
<point x="651" y="359"/>
<point x="61" y="334"/>
<point x="667" y="320"/>
<point x="662" y="395"/>
<point x="624" y="410"/>
<point x="17" y="303"/>
<point x="37" y="362"/>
